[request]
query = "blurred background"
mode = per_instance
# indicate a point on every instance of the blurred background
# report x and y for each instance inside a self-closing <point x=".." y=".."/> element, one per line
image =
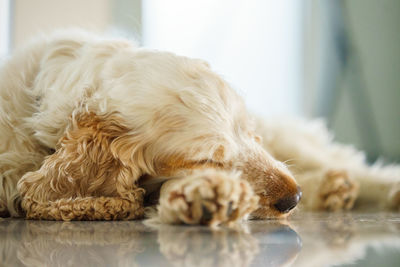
<point x="337" y="60"/>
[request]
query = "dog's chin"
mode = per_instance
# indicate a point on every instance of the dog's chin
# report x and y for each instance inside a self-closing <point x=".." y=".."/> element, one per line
<point x="269" y="213"/>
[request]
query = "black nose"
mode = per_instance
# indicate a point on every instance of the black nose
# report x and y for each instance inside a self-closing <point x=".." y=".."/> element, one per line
<point x="287" y="203"/>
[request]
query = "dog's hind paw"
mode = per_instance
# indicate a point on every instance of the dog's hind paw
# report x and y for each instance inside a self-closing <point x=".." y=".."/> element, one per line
<point x="210" y="197"/>
<point x="337" y="191"/>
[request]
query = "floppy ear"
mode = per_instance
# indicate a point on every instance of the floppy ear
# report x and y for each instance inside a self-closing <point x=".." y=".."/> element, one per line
<point x="92" y="174"/>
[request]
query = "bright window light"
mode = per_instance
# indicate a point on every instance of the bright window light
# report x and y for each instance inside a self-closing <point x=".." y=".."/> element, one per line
<point x="255" y="45"/>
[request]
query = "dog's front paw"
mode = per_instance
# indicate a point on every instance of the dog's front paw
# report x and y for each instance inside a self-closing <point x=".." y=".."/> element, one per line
<point x="337" y="191"/>
<point x="209" y="197"/>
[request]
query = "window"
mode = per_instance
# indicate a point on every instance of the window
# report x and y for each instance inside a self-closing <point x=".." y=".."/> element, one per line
<point x="255" y="45"/>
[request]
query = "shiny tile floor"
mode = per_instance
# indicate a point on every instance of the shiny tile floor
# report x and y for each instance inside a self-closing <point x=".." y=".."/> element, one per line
<point x="306" y="239"/>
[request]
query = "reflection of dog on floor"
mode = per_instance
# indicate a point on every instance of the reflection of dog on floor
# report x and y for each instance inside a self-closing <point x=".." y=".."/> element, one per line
<point x="92" y="127"/>
<point x="326" y="241"/>
<point x="196" y="247"/>
<point x="344" y="238"/>
<point x="272" y="244"/>
<point x="47" y="243"/>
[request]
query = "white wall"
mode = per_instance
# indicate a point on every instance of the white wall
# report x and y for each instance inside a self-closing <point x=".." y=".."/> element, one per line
<point x="43" y="16"/>
<point x="254" y="44"/>
<point x="4" y="26"/>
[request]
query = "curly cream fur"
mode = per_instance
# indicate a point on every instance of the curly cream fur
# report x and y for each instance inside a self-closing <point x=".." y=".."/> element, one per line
<point x="96" y="116"/>
<point x="91" y="127"/>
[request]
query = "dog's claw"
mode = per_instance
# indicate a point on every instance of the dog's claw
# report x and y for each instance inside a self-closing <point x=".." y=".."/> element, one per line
<point x="207" y="215"/>
<point x="230" y="209"/>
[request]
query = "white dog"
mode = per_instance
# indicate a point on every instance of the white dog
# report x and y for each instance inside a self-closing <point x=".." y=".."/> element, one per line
<point x="97" y="128"/>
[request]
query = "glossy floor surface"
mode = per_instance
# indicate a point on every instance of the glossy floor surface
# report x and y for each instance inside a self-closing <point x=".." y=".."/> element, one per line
<point x="306" y="239"/>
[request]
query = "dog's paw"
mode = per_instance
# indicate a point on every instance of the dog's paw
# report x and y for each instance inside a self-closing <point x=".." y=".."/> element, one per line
<point x="210" y="197"/>
<point x="394" y="197"/>
<point x="337" y="191"/>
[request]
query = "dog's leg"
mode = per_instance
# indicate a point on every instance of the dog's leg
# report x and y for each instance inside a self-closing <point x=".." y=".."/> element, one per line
<point x="206" y="197"/>
<point x="379" y="186"/>
<point x="333" y="176"/>
<point x="47" y="194"/>
<point x="85" y="208"/>
<point x="328" y="189"/>
<point x="53" y="195"/>
<point x="353" y="183"/>
<point x="87" y="178"/>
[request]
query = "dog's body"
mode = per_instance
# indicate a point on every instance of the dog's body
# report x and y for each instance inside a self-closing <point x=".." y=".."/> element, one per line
<point x="89" y="126"/>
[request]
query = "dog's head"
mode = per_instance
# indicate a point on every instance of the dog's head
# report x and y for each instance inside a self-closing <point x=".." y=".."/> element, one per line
<point x="183" y="117"/>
